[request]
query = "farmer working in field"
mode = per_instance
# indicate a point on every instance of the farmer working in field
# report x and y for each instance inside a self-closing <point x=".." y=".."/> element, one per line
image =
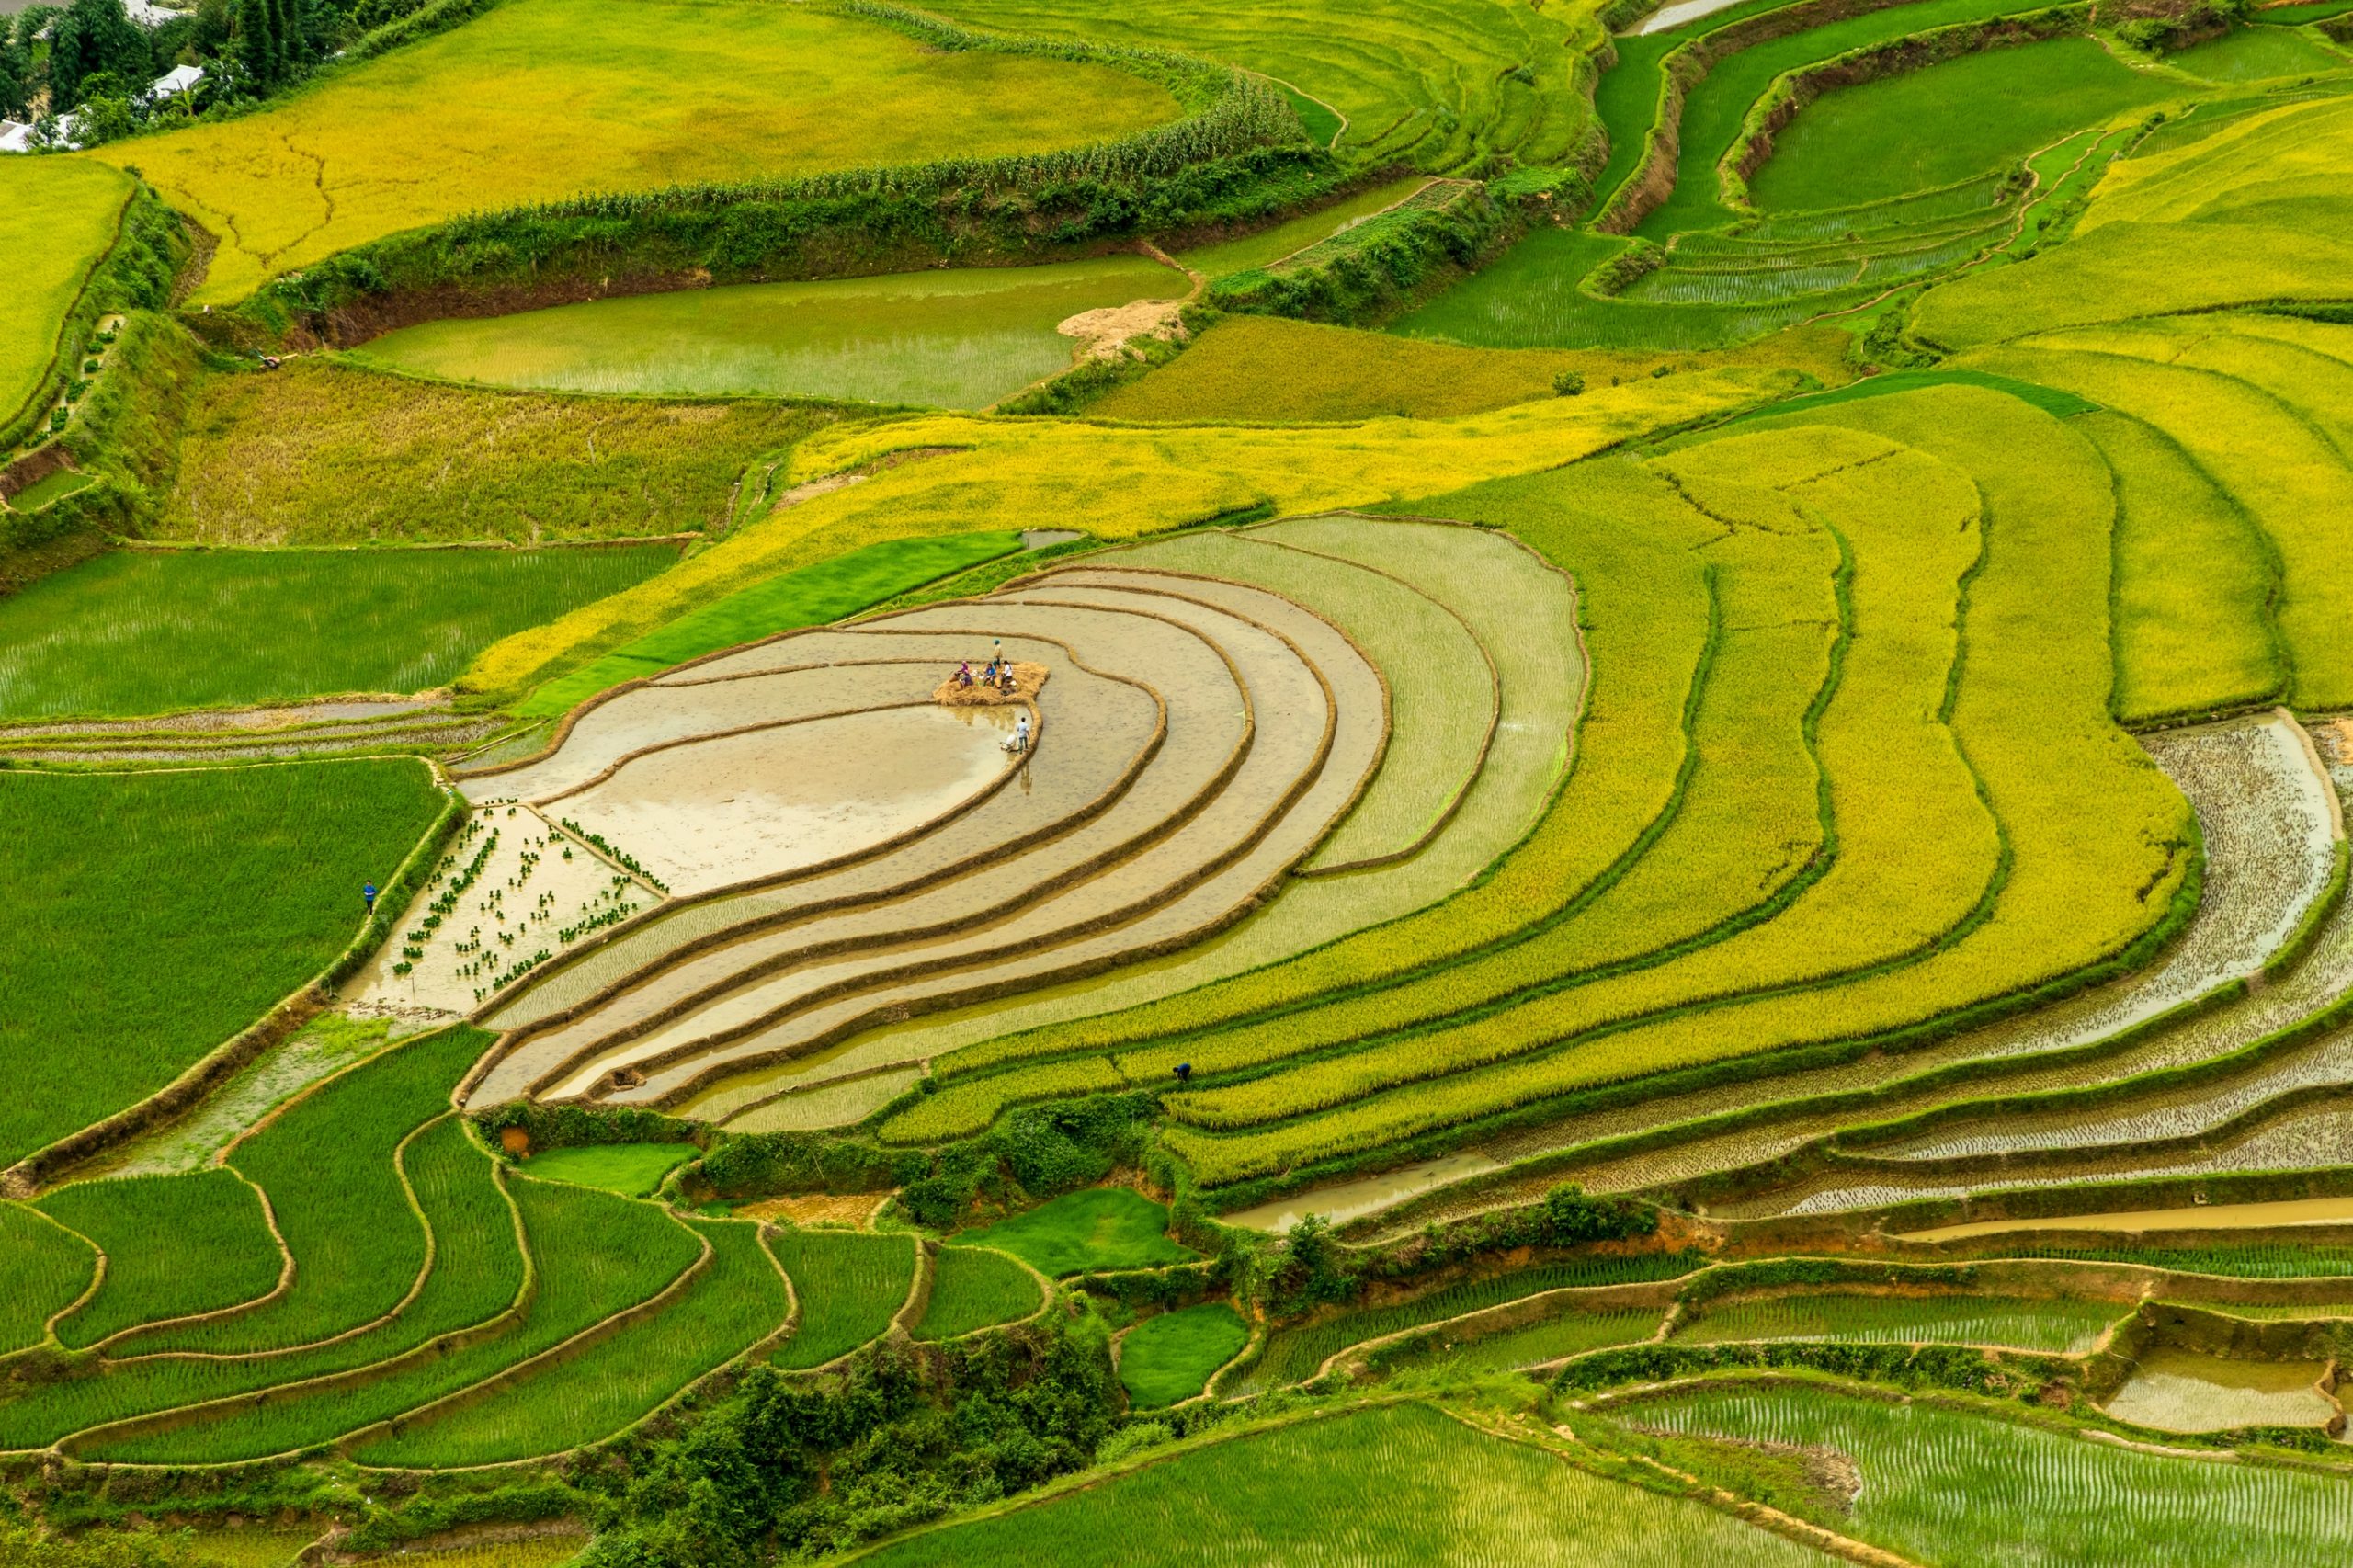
<point x="1021" y="741"/>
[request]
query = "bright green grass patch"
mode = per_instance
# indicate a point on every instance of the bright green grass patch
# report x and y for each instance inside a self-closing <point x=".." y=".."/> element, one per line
<point x="737" y="1301"/>
<point x="1229" y="257"/>
<point x="1940" y="125"/>
<point x="597" y="1254"/>
<point x="2254" y="53"/>
<point x="976" y="1287"/>
<point x="1394" y="1485"/>
<point x="1294" y="1353"/>
<point x="46" y="1266"/>
<point x="1928" y="1474"/>
<point x="154" y="916"/>
<point x="327" y="1163"/>
<point x="547" y="98"/>
<point x="2060" y="1327"/>
<point x="139" y="632"/>
<point x="2050" y="400"/>
<point x="2194" y="582"/>
<point x="633" y="1170"/>
<point x="1102" y="1227"/>
<point x="174" y="1245"/>
<point x="477" y="1274"/>
<point x="960" y="338"/>
<point x="51" y="487"/>
<point x="1171" y="1357"/>
<point x="809" y="596"/>
<point x="57" y="218"/>
<point x="1423" y="84"/>
<point x="1714" y="110"/>
<point x="317" y="452"/>
<point x="849" y="1285"/>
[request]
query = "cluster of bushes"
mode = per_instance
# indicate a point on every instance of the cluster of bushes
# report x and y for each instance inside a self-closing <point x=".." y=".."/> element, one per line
<point x="1902" y="1366"/>
<point x="576" y="1126"/>
<point x="903" y="1435"/>
<point x="1380" y="268"/>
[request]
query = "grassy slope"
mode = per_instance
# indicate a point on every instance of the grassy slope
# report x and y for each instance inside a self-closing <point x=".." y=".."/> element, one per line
<point x="318" y="453"/>
<point x="1108" y="1227"/>
<point x="135" y="632"/>
<point x="544" y="99"/>
<point x="156" y="914"/>
<point x="1170" y="1356"/>
<point x="57" y="218"/>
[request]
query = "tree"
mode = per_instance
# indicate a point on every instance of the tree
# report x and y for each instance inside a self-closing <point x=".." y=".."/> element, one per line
<point x="94" y="36"/>
<point x="16" y="80"/>
<point x="257" y="53"/>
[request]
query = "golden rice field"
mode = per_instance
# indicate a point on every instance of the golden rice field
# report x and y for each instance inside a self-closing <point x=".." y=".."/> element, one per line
<point x="548" y="98"/>
<point x="1643" y="861"/>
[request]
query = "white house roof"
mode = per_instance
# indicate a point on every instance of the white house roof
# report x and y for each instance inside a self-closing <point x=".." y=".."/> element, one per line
<point x="178" y="79"/>
<point x="146" y="14"/>
<point x="15" y="138"/>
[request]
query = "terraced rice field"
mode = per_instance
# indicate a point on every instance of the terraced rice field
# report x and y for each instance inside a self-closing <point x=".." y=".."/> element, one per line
<point x="61" y="218"/>
<point x="1669" y="889"/>
<point x="952" y="339"/>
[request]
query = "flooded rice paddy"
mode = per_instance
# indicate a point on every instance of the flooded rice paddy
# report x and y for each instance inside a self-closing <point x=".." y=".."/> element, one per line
<point x="2182" y="1390"/>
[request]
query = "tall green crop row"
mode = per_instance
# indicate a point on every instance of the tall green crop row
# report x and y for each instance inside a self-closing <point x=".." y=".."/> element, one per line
<point x="594" y="1254"/>
<point x="327" y="1165"/>
<point x="174" y="1245"/>
<point x="847" y="1287"/>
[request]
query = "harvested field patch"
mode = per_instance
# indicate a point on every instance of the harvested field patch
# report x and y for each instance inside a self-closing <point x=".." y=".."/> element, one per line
<point x="320" y="453"/>
<point x="960" y="338"/>
<point x="1171" y="1357"/>
<point x="1104" y="1227"/>
<point x="129" y="965"/>
<point x="676" y="94"/>
<point x="140" y="631"/>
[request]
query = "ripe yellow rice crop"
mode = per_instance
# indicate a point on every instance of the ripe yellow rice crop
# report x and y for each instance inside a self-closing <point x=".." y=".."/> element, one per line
<point x="1118" y="484"/>
<point x="541" y="99"/>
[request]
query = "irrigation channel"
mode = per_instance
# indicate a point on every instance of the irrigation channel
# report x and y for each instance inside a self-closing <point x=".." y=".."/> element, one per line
<point x="2271" y="826"/>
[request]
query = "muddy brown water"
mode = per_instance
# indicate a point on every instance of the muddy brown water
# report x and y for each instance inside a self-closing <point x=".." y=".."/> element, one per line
<point x="2182" y="1390"/>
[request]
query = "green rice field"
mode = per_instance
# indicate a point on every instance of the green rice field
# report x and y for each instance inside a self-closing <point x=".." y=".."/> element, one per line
<point x="1103" y="1228"/>
<point x="974" y="1289"/>
<point x="139" y="632"/>
<point x="960" y="338"/>
<point x="633" y="1170"/>
<point x="61" y="219"/>
<point x="1173" y="1355"/>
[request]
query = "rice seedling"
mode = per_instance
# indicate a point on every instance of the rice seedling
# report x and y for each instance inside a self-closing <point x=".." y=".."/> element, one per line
<point x="1099" y="1227"/>
<point x="848" y="1285"/>
<point x="734" y="1304"/>
<point x="680" y="94"/>
<point x="975" y="1288"/>
<point x="2248" y="1260"/>
<point x="126" y="965"/>
<point x="175" y="1246"/>
<point x="1123" y="482"/>
<point x="2064" y="1327"/>
<point x="1941" y="1486"/>
<point x="60" y="221"/>
<point x="595" y="1254"/>
<point x="827" y="591"/>
<point x="134" y="631"/>
<point x="1899" y="134"/>
<point x="1293" y="1354"/>
<point x="1171" y="1355"/>
<point x="955" y="338"/>
<point x="318" y="452"/>
<point x="1398" y="1484"/>
<point x="2183" y="1391"/>
<point x="48" y="1269"/>
<point x="477" y="1274"/>
<point x="633" y="1170"/>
